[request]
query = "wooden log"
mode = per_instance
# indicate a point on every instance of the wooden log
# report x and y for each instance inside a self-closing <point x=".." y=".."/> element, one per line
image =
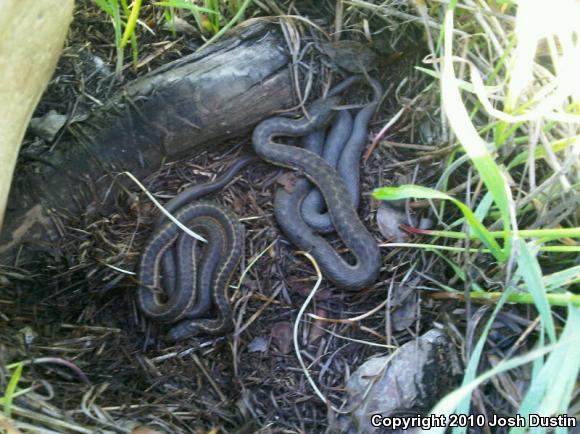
<point x="207" y="97"/>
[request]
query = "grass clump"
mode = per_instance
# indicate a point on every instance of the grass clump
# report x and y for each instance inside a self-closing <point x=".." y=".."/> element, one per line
<point x="504" y="74"/>
<point x="213" y="18"/>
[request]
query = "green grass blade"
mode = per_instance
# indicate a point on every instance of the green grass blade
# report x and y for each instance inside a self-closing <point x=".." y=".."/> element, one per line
<point x="530" y="271"/>
<point x="117" y="26"/>
<point x="462" y="84"/>
<point x="451" y="402"/>
<point x="11" y="389"/>
<point x="131" y="22"/>
<point x="559" y="299"/>
<point x="433" y="247"/>
<point x="19" y="392"/>
<point x="182" y="4"/>
<point x="457" y="270"/>
<point x="134" y="49"/>
<point x="468" y="136"/>
<point x="416" y="191"/>
<point x="551" y="388"/>
<point x="471" y="370"/>
<point x="556" y="281"/>
<point x="557" y="146"/>
<point x="215" y="19"/>
<point x="544" y="234"/>
<point x="105" y="6"/>
<point x="229" y="25"/>
<point x="169" y="16"/>
<point x="484" y="206"/>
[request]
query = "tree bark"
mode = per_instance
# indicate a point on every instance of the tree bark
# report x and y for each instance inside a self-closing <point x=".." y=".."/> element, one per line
<point x="207" y="97"/>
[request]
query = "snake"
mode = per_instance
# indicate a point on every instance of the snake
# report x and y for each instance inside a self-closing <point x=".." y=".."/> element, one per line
<point x="287" y="207"/>
<point x="345" y="157"/>
<point x="329" y="146"/>
<point x="174" y="287"/>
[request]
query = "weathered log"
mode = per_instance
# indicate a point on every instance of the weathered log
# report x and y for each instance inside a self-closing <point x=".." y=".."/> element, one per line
<point x="206" y="97"/>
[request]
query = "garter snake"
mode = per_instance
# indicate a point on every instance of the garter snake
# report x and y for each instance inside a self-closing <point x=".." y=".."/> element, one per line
<point x="345" y="157"/>
<point x="190" y="288"/>
<point x="335" y="193"/>
<point x="174" y="287"/>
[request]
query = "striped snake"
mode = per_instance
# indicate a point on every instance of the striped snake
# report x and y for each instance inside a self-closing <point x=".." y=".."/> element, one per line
<point x="177" y="288"/>
<point x="174" y="288"/>
<point x="343" y="149"/>
<point x="342" y="212"/>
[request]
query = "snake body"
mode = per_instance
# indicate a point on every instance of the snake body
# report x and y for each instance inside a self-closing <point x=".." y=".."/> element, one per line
<point x="336" y="195"/>
<point x="176" y="287"/>
<point x="313" y="209"/>
<point x="345" y="157"/>
<point x="168" y="267"/>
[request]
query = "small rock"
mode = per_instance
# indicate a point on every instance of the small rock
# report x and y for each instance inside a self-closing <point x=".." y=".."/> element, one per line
<point x="258" y="345"/>
<point x="28" y="335"/>
<point x="47" y="126"/>
<point x="404" y="305"/>
<point x="146" y="430"/>
<point x="287" y="180"/>
<point x="317" y="328"/>
<point x="101" y="67"/>
<point x="409" y="382"/>
<point x="389" y="221"/>
<point x="426" y="132"/>
<point x="179" y="25"/>
<point x="353" y="56"/>
<point x="426" y="223"/>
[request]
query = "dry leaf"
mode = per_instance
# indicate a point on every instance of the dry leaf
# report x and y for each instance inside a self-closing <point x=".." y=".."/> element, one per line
<point x="389" y="220"/>
<point x="180" y="26"/>
<point x="410" y="381"/>
<point x="48" y="125"/>
<point x="321" y="294"/>
<point x="317" y="331"/>
<point x="288" y="181"/>
<point x="282" y="335"/>
<point x="7" y="427"/>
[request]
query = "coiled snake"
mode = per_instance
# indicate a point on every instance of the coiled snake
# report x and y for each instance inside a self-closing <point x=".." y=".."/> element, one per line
<point x="343" y="150"/>
<point x="168" y="267"/>
<point x="190" y="287"/>
<point x="336" y="195"/>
